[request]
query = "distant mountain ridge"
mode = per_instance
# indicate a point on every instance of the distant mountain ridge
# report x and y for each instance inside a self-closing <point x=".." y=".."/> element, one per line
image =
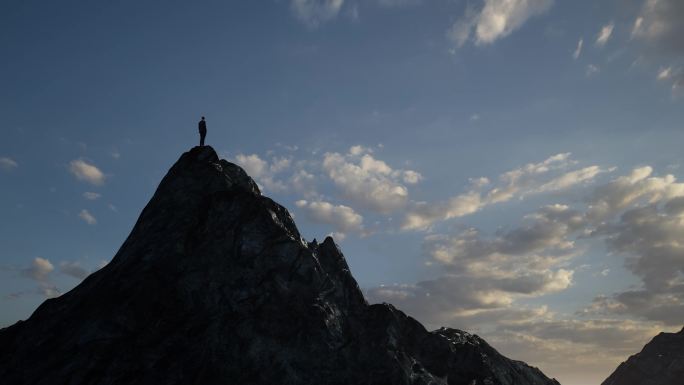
<point x="215" y="285"/>
<point x="660" y="362"/>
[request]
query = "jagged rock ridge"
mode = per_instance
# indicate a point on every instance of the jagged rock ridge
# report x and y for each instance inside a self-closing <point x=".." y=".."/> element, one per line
<point x="660" y="362"/>
<point x="215" y="285"/>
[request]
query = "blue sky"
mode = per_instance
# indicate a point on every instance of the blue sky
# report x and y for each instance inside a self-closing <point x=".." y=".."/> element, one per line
<point x="509" y="167"/>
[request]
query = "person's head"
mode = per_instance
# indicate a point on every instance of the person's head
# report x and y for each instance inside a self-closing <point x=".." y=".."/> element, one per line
<point x="203" y="118"/>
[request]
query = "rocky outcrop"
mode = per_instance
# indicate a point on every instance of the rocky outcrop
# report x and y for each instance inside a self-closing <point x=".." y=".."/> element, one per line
<point x="215" y="285"/>
<point x="661" y="362"/>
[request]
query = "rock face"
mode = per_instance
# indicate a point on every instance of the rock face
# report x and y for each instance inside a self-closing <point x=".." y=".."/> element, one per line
<point x="215" y="285"/>
<point x="661" y="362"/>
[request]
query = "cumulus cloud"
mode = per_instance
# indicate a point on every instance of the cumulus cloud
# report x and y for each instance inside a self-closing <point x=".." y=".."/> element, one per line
<point x="85" y="171"/>
<point x="529" y="179"/>
<point x="483" y="276"/>
<point x="495" y="20"/>
<point x="650" y="239"/>
<point x="39" y="270"/>
<point x="265" y="172"/>
<point x="87" y="217"/>
<point x="315" y="12"/>
<point x="8" y="164"/>
<point x="343" y="218"/>
<point x="482" y="280"/>
<point x="411" y="177"/>
<point x="638" y="186"/>
<point x="367" y="181"/>
<point x="604" y="34"/>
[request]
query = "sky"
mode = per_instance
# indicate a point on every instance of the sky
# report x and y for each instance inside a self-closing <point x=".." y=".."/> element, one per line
<point x="507" y="167"/>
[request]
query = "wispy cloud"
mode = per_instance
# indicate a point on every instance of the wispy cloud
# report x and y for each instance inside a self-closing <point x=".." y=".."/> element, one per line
<point x="532" y="178"/>
<point x="605" y="34"/>
<point x="87" y="217"/>
<point x="578" y="50"/>
<point x="73" y="269"/>
<point x="315" y="12"/>
<point x="8" y="164"/>
<point x="592" y="69"/>
<point x="659" y="25"/>
<point x="91" y="196"/>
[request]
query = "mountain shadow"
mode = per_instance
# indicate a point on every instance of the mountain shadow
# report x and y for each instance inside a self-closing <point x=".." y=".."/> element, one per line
<point x="215" y="285"/>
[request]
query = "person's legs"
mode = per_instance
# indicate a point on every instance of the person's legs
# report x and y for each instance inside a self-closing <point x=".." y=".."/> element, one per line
<point x="202" y="136"/>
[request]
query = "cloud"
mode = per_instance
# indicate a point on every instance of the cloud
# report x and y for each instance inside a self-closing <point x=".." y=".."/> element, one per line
<point x="343" y="218"/>
<point x="39" y="270"/>
<point x="592" y="69"/>
<point x="665" y="73"/>
<point x="86" y="172"/>
<point x="8" y="164"/>
<point x="50" y="291"/>
<point x="398" y="3"/>
<point x="560" y="346"/>
<point x="570" y="179"/>
<point x="91" y="196"/>
<point x="73" y="269"/>
<point x="483" y="281"/>
<point x="604" y="34"/>
<point x="516" y="183"/>
<point x="639" y="216"/>
<point x="495" y="20"/>
<point x="608" y="200"/>
<point x="649" y="238"/>
<point x="411" y="177"/>
<point x="659" y="25"/>
<point x="315" y="12"/>
<point x="483" y="276"/>
<point x="674" y="75"/>
<point x="578" y="50"/>
<point x="87" y="217"/>
<point x="265" y="172"/>
<point x="367" y="181"/>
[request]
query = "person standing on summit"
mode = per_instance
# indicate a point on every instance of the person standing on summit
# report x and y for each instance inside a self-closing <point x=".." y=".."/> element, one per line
<point x="202" y="131"/>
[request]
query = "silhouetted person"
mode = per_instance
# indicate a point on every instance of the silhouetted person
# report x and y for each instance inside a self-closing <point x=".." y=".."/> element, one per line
<point x="202" y="131"/>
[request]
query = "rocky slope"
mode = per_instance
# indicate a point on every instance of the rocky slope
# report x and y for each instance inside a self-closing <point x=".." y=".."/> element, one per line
<point x="215" y="285"/>
<point x="661" y="362"/>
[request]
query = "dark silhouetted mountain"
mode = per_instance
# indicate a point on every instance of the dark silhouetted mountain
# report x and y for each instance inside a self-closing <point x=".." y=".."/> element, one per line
<point x="215" y="285"/>
<point x="660" y="362"/>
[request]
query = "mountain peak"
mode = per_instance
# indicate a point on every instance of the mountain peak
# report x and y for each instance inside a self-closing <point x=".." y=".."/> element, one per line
<point x="203" y="163"/>
<point x="660" y="362"/>
<point x="215" y="285"/>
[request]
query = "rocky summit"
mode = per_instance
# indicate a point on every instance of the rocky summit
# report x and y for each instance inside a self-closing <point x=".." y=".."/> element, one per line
<point x="215" y="285"/>
<point x="660" y="362"/>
